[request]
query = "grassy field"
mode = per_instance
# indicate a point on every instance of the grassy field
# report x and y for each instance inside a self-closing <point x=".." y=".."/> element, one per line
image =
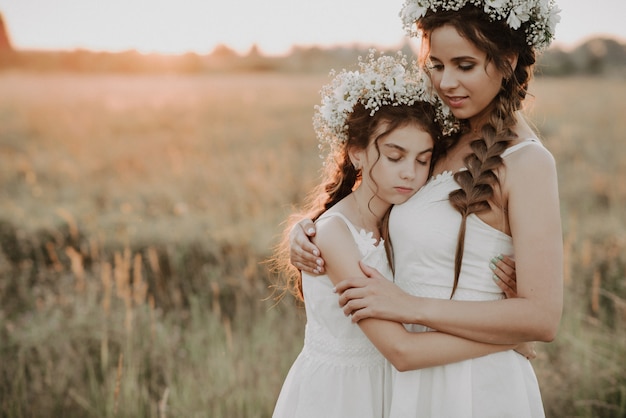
<point x="135" y="213"/>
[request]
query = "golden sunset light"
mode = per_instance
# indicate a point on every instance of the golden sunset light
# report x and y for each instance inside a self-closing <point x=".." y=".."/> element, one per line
<point x="168" y="26"/>
<point x="155" y="156"/>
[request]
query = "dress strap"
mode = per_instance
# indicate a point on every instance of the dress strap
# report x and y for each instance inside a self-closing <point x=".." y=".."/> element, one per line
<point x="520" y="145"/>
<point x="350" y="225"/>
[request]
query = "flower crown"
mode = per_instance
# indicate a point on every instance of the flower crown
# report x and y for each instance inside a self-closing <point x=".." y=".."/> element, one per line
<point x="539" y="17"/>
<point x="386" y="80"/>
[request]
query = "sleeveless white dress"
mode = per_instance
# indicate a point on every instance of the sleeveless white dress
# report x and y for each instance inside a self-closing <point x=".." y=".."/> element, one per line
<point x="424" y="231"/>
<point x="339" y="373"/>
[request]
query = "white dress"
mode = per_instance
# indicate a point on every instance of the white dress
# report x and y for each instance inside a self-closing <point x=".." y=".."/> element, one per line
<point x="339" y="372"/>
<point x="424" y="232"/>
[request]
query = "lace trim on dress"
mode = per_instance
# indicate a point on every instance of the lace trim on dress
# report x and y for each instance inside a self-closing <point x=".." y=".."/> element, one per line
<point x="326" y="349"/>
<point x="366" y="238"/>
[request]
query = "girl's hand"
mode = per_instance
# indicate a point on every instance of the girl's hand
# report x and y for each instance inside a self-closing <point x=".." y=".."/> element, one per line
<point x="503" y="268"/>
<point x="372" y="297"/>
<point x="303" y="254"/>
<point x="504" y="276"/>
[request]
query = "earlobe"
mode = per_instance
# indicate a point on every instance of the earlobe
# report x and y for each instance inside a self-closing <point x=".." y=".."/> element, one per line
<point x="355" y="157"/>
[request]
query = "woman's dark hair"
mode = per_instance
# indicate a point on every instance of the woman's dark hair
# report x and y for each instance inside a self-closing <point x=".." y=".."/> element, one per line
<point x="480" y="183"/>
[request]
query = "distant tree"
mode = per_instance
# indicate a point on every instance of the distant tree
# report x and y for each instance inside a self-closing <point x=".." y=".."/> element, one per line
<point x="5" y="44"/>
<point x="254" y="52"/>
<point x="223" y="51"/>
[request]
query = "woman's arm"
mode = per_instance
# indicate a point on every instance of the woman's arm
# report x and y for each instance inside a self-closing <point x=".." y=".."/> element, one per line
<point x="405" y="350"/>
<point x="534" y="315"/>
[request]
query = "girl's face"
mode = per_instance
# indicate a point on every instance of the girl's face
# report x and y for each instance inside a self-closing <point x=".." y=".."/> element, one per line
<point x="461" y="75"/>
<point x="400" y="165"/>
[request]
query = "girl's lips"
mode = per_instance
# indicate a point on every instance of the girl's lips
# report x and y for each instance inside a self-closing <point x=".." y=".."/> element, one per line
<point x="404" y="190"/>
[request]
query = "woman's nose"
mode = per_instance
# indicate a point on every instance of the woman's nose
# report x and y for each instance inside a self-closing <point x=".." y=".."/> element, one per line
<point x="448" y="80"/>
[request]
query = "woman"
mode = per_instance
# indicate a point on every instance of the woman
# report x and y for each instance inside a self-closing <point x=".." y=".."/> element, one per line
<point x="380" y="125"/>
<point x="493" y="190"/>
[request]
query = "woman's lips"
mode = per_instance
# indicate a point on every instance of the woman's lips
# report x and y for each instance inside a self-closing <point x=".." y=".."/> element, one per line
<point x="456" y="101"/>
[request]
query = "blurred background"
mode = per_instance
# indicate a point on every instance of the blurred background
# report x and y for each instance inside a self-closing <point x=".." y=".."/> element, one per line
<point x="150" y="152"/>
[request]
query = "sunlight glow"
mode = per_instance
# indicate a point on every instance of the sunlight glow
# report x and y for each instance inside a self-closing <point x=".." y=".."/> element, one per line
<point x="171" y="26"/>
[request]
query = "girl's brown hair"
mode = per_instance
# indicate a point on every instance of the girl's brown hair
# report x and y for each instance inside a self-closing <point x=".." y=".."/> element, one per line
<point x="340" y="178"/>
<point x="480" y="182"/>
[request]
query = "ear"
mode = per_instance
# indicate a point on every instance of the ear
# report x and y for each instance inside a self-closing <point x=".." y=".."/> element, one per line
<point x="356" y="157"/>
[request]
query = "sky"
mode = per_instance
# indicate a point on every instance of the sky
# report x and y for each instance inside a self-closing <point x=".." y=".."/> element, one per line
<point x="274" y="26"/>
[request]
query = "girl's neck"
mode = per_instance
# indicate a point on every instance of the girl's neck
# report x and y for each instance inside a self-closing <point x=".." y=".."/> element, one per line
<point x="369" y="209"/>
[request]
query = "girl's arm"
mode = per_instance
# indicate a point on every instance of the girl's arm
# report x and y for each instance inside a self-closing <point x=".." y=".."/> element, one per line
<point x="535" y="313"/>
<point x="405" y="350"/>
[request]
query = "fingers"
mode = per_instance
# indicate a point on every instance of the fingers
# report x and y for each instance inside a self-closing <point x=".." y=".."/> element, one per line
<point x="504" y="275"/>
<point x="303" y="254"/>
<point x="308" y="227"/>
<point x="347" y="290"/>
<point x="369" y="271"/>
<point x="506" y="265"/>
<point x="356" y="309"/>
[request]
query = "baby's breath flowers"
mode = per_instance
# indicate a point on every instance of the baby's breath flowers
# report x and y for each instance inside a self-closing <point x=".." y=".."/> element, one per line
<point x="385" y="80"/>
<point x="538" y="18"/>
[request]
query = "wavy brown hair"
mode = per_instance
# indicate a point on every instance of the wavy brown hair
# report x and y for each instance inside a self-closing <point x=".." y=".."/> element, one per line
<point x="480" y="183"/>
<point x="340" y="178"/>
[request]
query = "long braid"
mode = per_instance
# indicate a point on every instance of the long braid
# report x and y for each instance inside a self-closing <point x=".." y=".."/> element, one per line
<point x="479" y="181"/>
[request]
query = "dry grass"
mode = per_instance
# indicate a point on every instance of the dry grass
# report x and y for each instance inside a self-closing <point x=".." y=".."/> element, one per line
<point x="144" y="157"/>
<point x="136" y="210"/>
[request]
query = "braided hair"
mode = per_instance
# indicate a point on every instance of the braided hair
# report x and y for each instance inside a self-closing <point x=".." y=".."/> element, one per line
<point x="480" y="183"/>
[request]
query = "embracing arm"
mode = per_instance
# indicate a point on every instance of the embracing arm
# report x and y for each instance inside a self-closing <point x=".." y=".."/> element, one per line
<point x="405" y="350"/>
<point x="304" y="255"/>
<point x="535" y="313"/>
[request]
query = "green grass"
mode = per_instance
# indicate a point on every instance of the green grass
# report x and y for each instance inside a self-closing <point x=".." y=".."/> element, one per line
<point x="136" y="212"/>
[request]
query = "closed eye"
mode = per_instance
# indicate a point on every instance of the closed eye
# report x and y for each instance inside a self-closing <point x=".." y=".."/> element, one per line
<point x="434" y="67"/>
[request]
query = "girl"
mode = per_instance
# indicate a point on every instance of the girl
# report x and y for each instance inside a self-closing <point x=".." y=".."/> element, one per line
<point x="379" y="124"/>
<point x="493" y="189"/>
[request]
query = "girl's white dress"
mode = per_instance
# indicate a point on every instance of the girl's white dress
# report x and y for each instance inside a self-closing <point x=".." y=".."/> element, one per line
<point x="424" y="233"/>
<point x="339" y="373"/>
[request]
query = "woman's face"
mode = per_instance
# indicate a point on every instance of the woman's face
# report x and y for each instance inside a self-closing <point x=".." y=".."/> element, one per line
<point x="461" y="75"/>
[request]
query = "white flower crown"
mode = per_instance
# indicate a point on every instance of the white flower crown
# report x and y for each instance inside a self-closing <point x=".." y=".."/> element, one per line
<point x="386" y="80"/>
<point x="538" y="16"/>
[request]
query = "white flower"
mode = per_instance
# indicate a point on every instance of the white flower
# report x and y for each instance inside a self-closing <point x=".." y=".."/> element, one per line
<point x="386" y="80"/>
<point x="553" y="19"/>
<point x="517" y="16"/>
<point x="537" y="17"/>
<point x="495" y="4"/>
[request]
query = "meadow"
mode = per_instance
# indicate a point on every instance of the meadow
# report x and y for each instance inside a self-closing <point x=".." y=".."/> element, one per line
<point x="136" y="213"/>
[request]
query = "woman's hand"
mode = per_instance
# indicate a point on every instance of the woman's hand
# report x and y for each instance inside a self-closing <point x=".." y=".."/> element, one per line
<point x="503" y="268"/>
<point x="303" y="254"/>
<point x="372" y="297"/>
